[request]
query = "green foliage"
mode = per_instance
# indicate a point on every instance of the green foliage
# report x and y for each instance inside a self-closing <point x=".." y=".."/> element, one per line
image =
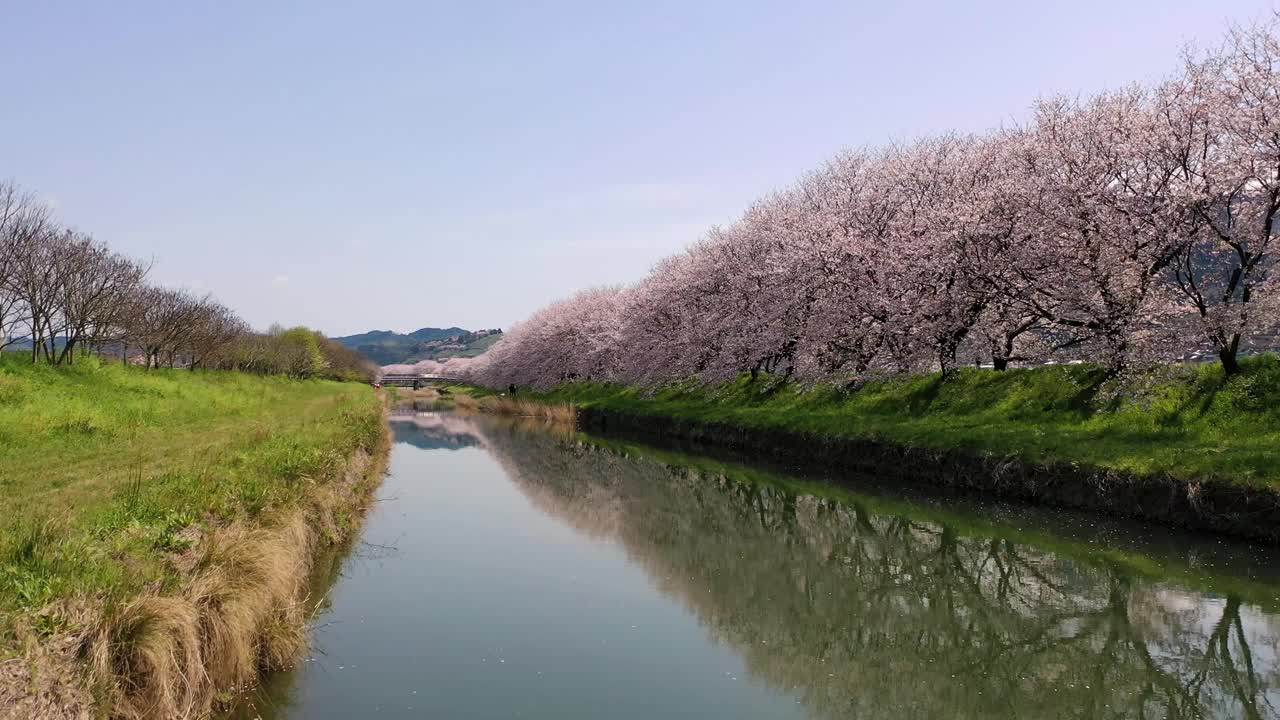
<point x="1188" y="421"/>
<point x="298" y="352"/>
<point x="1255" y="391"/>
<point x="107" y="470"/>
<point x="301" y="350"/>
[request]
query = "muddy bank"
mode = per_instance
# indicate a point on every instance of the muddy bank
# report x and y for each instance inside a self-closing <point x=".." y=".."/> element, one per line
<point x="1214" y="506"/>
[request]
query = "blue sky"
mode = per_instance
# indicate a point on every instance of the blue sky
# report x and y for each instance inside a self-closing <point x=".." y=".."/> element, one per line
<point x="351" y="166"/>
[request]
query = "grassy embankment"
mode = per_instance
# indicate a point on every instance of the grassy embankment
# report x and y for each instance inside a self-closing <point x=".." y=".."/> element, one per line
<point x="159" y="528"/>
<point x="1197" y="425"/>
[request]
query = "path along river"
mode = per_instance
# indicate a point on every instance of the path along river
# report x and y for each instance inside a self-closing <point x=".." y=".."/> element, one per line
<point x="511" y="571"/>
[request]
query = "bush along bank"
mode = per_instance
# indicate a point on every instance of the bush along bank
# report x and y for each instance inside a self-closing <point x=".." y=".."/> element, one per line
<point x="1195" y="448"/>
<point x="139" y="580"/>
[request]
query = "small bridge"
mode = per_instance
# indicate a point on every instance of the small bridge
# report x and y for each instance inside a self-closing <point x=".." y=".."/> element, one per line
<point x="416" y="381"/>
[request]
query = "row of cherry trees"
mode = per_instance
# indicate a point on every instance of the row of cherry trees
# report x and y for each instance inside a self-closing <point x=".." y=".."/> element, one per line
<point x="1132" y="226"/>
<point x="449" y="367"/>
<point x="64" y="293"/>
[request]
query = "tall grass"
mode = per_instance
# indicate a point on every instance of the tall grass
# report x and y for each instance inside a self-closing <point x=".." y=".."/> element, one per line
<point x="529" y="408"/>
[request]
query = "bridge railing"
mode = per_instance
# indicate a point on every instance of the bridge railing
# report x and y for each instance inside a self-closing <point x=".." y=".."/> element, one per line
<point x="403" y="380"/>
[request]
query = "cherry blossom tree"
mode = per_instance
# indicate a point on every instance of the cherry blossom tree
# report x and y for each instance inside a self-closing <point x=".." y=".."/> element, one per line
<point x="1225" y="113"/>
<point x="1098" y="184"/>
<point x="573" y="339"/>
<point x="1132" y="226"/>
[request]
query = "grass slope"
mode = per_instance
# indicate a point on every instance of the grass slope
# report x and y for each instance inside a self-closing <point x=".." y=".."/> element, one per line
<point x="106" y="472"/>
<point x="1196" y="424"/>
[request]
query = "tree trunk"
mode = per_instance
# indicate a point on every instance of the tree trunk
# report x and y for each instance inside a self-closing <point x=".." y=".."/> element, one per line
<point x="1230" y="364"/>
<point x="1000" y="363"/>
<point x="947" y="359"/>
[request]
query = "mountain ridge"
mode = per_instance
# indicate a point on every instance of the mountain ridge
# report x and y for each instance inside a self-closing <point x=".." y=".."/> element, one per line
<point x="387" y="347"/>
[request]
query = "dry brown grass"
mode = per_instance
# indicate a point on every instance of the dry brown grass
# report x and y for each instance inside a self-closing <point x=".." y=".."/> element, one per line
<point x="520" y="407"/>
<point x="44" y="682"/>
<point x="145" y="658"/>
<point x="463" y="401"/>
<point x="240" y="615"/>
<point x="497" y="405"/>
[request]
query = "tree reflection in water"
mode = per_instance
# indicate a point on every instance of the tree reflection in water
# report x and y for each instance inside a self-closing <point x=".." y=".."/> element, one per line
<point x="863" y="614"/>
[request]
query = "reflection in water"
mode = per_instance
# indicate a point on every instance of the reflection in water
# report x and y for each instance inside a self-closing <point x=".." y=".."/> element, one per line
<point x="428" y="429"/>
<point x="872" y="615"/>
<point x="849" y="605"/>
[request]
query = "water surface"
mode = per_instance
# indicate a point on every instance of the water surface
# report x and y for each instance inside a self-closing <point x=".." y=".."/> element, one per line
<point x="515" y="572"/>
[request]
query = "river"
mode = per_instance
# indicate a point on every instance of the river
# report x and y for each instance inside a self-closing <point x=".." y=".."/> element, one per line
<point x="512" y="571"/>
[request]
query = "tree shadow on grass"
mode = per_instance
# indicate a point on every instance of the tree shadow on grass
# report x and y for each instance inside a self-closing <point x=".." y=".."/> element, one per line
<point x="1198" y="403"/>
<point x="1083" y="401"/>
<point x="920" y="400"/>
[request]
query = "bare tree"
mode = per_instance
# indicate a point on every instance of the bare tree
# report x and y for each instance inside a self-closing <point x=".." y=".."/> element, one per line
<point x="156" y="323"/>
<point x="13" y="208"/>
<point x="33" y="276"/>
<point x="94" y="285"/>
<point x="214" y="328"/>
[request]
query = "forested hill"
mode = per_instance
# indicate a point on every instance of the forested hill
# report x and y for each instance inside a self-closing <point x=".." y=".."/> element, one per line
<point x="386" y="347"/>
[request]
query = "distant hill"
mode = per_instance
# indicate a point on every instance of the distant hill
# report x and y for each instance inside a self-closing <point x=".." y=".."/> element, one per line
<point x="385" y="347"/>
<point x="24" y="344"/>
<point x="428" y="334"/>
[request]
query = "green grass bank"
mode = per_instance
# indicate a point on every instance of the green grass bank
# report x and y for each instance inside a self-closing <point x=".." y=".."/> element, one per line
<point x="1195" y="424"/>
<point x="1058" y="435"/>
<point x="160" y="526"/>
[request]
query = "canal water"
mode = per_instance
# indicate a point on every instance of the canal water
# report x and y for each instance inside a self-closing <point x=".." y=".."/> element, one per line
<point x="509" y="571"/>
